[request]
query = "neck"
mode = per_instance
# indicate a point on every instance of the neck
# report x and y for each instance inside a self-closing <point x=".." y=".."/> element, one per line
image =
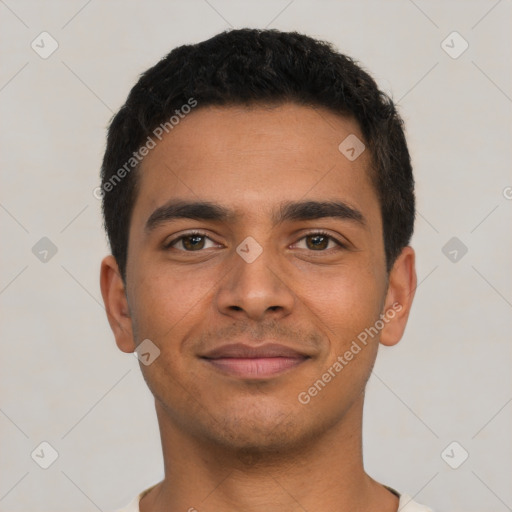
<point x="325" y="473"/>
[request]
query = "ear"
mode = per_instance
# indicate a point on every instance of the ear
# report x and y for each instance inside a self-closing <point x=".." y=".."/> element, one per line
<point x="116" y="304"/>
<point x="402" y="284"/>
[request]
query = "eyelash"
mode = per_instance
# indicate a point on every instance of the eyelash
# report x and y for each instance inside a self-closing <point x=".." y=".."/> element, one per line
<point x="201" y="233"/>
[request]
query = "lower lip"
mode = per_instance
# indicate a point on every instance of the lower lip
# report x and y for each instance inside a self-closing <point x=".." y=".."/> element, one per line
<point x="259" y="367"/>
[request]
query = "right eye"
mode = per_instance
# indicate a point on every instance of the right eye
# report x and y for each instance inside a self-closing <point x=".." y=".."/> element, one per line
<point x="191" y="242"/>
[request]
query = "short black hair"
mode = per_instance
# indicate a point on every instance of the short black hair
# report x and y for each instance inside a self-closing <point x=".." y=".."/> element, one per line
<point x="250" y="67"/>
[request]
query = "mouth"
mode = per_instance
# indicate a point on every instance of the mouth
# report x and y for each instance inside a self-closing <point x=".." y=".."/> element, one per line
<point x="260" y="362"/>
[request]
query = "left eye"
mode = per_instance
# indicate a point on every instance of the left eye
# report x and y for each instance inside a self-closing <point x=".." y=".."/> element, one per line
<point x="319" y="242"/>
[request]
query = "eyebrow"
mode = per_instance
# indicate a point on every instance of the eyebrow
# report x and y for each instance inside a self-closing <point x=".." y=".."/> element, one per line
<point x="312" y="210"/>
<point x="288" y="211"/>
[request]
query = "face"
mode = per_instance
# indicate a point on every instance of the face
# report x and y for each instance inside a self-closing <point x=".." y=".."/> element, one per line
<point x="255" y="262"/>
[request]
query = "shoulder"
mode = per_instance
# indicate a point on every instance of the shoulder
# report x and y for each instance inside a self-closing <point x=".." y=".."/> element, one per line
<point x="133" y="506"/>
<point x="407" y="504"/>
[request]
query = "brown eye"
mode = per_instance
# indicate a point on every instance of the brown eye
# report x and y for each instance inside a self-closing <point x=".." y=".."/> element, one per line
<point x="193" y="242"/>
<point x="317" y="242"/>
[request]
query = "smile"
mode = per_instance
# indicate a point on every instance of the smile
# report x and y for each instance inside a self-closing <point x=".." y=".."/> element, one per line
<point x="258" y="367"/>
<point x="261" y="361"/>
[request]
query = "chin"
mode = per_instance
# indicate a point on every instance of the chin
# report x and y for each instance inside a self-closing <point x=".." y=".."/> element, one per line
<point x="250" y="436"/>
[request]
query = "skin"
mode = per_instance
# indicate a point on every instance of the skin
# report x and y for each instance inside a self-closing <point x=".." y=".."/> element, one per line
<point x="233" y="443"/>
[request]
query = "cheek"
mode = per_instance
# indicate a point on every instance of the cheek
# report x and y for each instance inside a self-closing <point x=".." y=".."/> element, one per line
<point x="346" y="300"/>
<point x="166" y="306"/>
<point x="347" y="307"/>
<point x="164" y="300"/>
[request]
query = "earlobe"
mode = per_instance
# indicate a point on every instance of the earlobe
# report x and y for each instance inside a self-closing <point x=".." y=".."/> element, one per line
<point x="116" y="304"/>
<point x="399" y="297"/>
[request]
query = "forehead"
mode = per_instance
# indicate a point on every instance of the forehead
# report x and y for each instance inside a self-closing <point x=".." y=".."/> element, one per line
<point x="252" y="158"/>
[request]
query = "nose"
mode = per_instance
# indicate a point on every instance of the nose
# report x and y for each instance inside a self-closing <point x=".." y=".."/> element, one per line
<point x="255" y="290"/>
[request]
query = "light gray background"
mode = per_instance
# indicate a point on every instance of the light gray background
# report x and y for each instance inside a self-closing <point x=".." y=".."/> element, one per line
<point x="62" y="377"/>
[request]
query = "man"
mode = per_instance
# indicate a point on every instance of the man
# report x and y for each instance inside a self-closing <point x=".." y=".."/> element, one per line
<point x="258" y="198"/>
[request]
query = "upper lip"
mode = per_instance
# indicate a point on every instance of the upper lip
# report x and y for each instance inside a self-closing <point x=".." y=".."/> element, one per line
<point x="241" y="350"/>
